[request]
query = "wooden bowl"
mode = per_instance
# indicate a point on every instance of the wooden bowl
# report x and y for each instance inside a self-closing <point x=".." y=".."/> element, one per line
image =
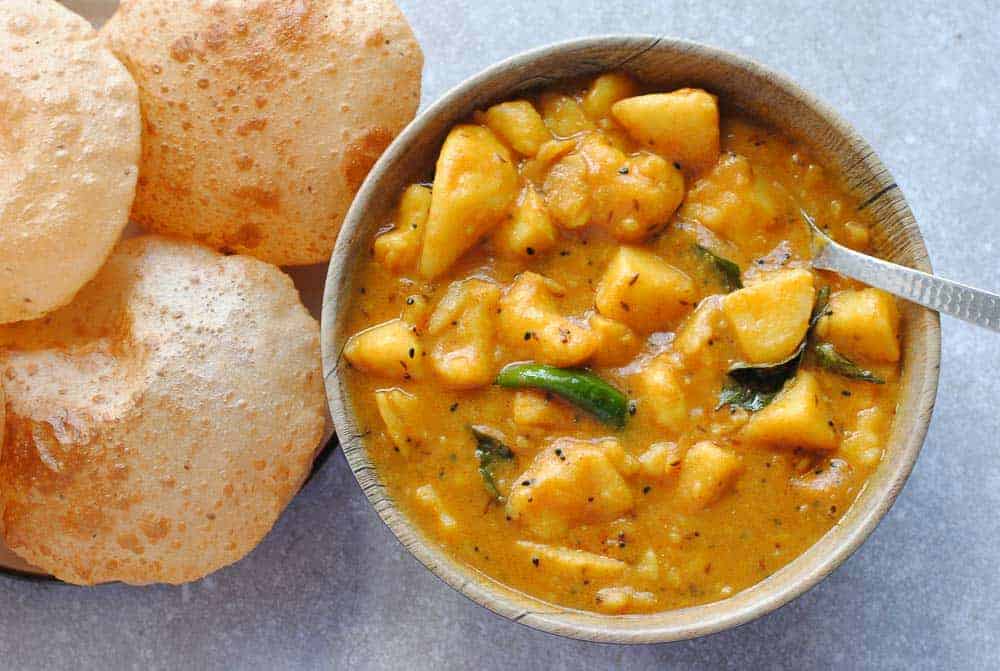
<point x="765" y="95"/>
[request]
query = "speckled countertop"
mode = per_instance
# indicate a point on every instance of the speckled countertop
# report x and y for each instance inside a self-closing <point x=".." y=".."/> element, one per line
<point x="331" y="588"/>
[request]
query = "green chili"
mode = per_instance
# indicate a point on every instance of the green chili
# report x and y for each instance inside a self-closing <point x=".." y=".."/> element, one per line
<point x="581" y="388"/>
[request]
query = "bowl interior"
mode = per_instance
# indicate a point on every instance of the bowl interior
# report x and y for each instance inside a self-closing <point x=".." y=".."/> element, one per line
<point x="770" y="98"/>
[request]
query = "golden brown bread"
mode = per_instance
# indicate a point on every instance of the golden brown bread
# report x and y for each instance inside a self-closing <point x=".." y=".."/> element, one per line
<point x="262" y="117"/>
<point x="69" y="150"/>
<point x="159" y="424"/>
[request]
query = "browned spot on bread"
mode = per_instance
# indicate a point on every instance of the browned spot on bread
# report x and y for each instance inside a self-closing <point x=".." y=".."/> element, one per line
<point x="155" y="528"/>
<point x="215" y="37"/>
<point x="359" y="157"/>
<point x="182" y="49"/>
<point x="292" y="21"/>
<point x="244" y="162"/>
<point x="251" y="126"/>
<point x="177" y="189"/>
<point x="33" y="458"/>
<point x="265" y="198"/>
<point x="255" y="61"/>
<point x="247" y="236"/>
<point x="131" y="543"/>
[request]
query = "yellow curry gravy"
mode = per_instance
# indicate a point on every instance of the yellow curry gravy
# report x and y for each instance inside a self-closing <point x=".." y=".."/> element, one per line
<point x="588" y="229"/>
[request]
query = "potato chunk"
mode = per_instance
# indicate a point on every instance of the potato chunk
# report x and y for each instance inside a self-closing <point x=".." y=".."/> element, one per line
<point x="660" y="394"/>
<point x="528" y="231"/>
<point x="563" y="115"/>
<point x="829" y="481"/>
<point x="535" y="169"/>
<point x="475" y="183"/>
<point x="427" y="497"/>
<point x="570" y="482"/>
<point x="399" y="249"/>
<point x="629" y="196"/>
<point x="580" y="562"/>
<point x="732" y="201"/>
<point x="799" y="416"/>
<point x="567" y="192"/>
<point x="464" y="328"/>
<point x="661" y="460"/>
<point x="617" y="344"/>
<point x="770" y="318"/>
<point x="682" y="126"/>
<point x="617" y="600"/>
<point x="648" y="567"/>
<point x="540" y="410"/>
<point x="605" y="91"/>
<point x="531" y="323"/>
<point x="698" y="330"/>
<point x="863" y="445"/>
<point x="519" y="124"/>
<point x="401" y="413"/>
<point x="391" y="350"/>
<point x="416" y="311"/>
<point x="862" y="324"/>
<point x="707" y="474"/>
<point x="643" y="291"/>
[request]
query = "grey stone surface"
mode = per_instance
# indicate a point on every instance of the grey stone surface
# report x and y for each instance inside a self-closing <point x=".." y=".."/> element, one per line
<point x="330" y="587"/>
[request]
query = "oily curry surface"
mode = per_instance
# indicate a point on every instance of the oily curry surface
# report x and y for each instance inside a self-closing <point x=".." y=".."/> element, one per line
<point x="591" y="358"/>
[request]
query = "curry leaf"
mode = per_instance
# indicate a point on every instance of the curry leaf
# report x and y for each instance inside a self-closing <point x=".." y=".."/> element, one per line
<point x="490" y="451"/>
<point x="737" y="395"/>
<point x="752" y="387"/>
<point x="829" y="358"/>
<point x="728" y="271"/>
<point x="822" y="302"/>
<point x="761" y="372"/>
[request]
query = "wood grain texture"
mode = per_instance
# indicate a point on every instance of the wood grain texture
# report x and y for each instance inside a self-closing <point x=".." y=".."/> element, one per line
<point x="766" y="95"/>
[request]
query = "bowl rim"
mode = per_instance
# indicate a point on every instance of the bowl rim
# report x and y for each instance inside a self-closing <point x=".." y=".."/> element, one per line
<point x="686" y="622"/>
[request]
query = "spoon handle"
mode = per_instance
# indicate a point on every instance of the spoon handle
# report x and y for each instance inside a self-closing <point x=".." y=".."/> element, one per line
<point x="951" y="298"/>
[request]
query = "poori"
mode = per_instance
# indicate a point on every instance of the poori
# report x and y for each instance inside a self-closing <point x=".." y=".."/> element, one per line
<point x="69" y="151"/>
<point x="262" y="118"/>
<point x="590" y="358"/>
<point x="158" y="424"/>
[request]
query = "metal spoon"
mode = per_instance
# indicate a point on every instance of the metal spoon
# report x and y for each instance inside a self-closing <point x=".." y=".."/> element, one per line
<point x="981" y="308"/>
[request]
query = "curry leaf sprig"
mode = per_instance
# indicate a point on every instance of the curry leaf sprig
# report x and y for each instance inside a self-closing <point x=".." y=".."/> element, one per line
<point x="490" y="451"/>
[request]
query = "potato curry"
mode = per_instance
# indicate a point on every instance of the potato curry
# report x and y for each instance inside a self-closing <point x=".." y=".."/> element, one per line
<point x="592" y="359"/>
